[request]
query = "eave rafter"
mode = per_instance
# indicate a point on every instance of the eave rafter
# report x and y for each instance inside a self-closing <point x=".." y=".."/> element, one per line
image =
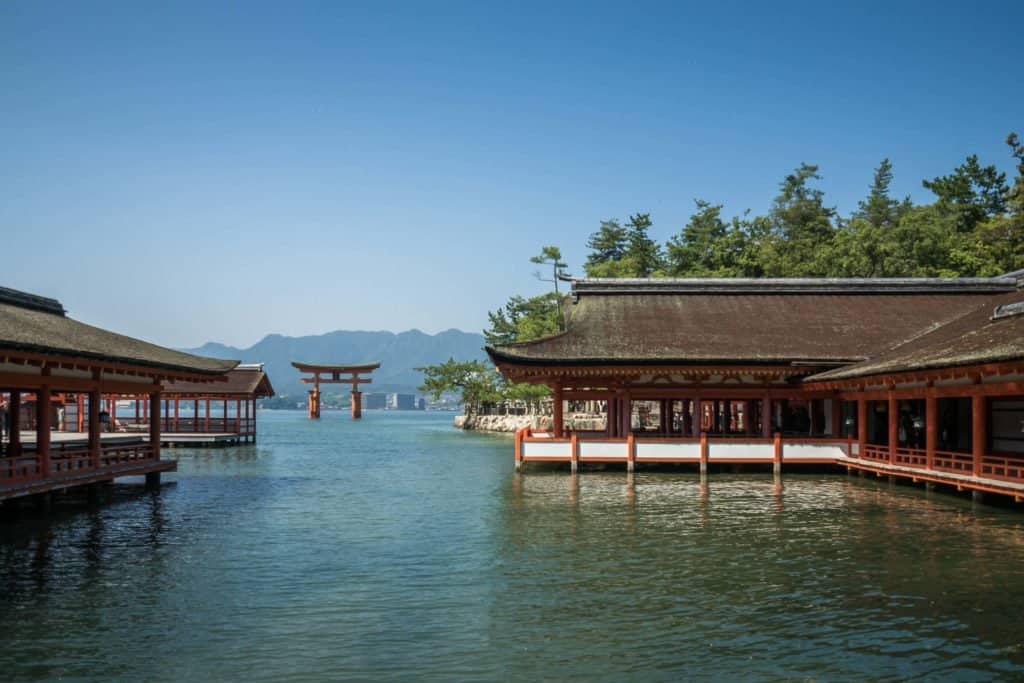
<point x="43" y="361"/>
<point x="915" y="376"/>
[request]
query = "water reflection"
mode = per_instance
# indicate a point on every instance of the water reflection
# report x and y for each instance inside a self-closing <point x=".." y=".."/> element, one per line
<point x="398" y="549"/>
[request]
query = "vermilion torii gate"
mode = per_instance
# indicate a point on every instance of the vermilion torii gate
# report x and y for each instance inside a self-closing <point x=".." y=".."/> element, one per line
<point x="332" y="374"/>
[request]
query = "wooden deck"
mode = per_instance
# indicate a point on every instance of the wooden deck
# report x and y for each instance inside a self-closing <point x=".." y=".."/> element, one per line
<point x="67" y="440"/>
<point x="998" y="475"/>
<point x="30" y="487"/>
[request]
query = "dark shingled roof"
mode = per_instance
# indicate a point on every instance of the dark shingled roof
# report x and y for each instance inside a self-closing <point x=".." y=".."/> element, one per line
<point x="991" y="332"/>
<point x="749" y="321"/>
<point x="36" y="324"/>
<point x="245" y="380"/>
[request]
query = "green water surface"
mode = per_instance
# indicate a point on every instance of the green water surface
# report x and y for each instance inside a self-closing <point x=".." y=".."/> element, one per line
<point x="398" y="548"/>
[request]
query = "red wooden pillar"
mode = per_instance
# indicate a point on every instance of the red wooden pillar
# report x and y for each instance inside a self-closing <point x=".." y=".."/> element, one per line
<point x="136" y="410"/>
<point x="777" y="460"/>
<point x="43" y="424"/>
<point x="176" y="412"/>
<point x="154" y="424"/>
<point x="206" y="427"/>
<point x="556" y="411"/>
<point x="195" y="415"/>
<point x="766" y="417"/>
<point x="14" y="438"/>
<point x="979" y="432"/>
<point x="931" y="427"/>
<point x="630" y="452"/>
<point x="704" y="453"/>
<point x="625" y="415"/>
<point x="80" y="414"/>
<point x="574" y="451"/>
<point x="697" y="420"/>
<point x="862" y="425"/>
<point x="224" y="423"/>
<point x="357" y="403"/>
<point x="95" y="445"/>
<point x="894" y="426"/>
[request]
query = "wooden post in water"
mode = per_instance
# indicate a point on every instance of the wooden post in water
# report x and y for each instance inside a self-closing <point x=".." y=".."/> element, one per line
<point x="979" y="433"/>
<point x="777" y="460"/>
<point x="43" y="423"/>
<point x="931" y="427"/>
<point x="894" y="426"/>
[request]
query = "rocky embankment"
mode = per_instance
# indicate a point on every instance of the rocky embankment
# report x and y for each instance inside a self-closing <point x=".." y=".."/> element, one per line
<point x="512" y="423"/>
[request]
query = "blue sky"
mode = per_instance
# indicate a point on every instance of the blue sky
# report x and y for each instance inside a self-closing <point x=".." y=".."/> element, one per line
<point x="186" y="172"/>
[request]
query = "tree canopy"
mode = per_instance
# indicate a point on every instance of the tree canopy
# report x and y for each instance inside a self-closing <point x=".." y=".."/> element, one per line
<point x="974" y="227"/>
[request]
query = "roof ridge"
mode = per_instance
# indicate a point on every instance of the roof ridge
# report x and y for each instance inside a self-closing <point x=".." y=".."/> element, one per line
<point x="33" y="302"/>
<point x="792" y="285"/>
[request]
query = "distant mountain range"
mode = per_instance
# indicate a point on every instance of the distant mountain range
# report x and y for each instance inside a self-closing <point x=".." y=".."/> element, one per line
<point x="397" y="353"/>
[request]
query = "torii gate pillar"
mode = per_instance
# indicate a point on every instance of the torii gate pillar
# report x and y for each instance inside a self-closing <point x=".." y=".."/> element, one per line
<point x="332" y="374"/>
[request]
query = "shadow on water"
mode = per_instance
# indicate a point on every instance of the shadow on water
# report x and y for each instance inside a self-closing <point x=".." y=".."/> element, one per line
<point x="399" y="548"/>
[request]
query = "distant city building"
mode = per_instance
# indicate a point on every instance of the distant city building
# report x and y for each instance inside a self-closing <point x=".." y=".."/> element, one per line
<point x="375" y="401"/>
<point x="401" y="402"/>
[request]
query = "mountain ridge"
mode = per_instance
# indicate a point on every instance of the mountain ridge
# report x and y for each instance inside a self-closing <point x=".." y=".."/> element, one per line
<point x="398" y="352"/>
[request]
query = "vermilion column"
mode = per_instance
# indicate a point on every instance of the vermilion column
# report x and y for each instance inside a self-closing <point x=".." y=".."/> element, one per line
<point x="894" y="426"/>
<point x="14" y="443"/>
<point x="43" y="421"/>
<point x="979" y="432"/>
<point x="556" y="411"/>
<point x="931" y="428"/>
<point x="154" y="424"/>
<point x="95" y="447"/>
<point x="766" y="417"/>
<point x="862" y="426"/>
<point x="357" y="403"/>
<point x="698" y="417"/>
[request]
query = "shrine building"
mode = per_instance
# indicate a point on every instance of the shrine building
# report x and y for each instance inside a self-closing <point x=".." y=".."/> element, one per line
<point x="918" y="377"/>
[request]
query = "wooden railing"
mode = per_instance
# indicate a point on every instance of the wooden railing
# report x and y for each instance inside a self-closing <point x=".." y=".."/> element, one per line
<point x="911" y="457"/>
<point x="568" y="449"/>
<point x="949" y="461"/>
<point x="66" y="462"/>
<point x="1002" y="468"/>
<point x="192" y="425"/>
<point x="875" y="452"/>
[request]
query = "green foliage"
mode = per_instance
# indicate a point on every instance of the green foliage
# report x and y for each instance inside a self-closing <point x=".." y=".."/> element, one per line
<point x="629" y="251"/>
<point x="802" y="229"/>
<point x="710" y="247"/>
<point x="476" y="381"/>
<point x="971" y="193"/>
<point x="607" y="245"/>
<point x="524" y="319"/>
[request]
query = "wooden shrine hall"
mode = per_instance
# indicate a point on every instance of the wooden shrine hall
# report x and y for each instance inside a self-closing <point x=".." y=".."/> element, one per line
<point x="335" y="374"/>
<point x="43" y="352"/>
<point x="914" y="378"/>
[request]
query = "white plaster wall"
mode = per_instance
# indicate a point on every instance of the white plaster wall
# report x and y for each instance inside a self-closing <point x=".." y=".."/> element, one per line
<point x="603" y="449"/>
<point x="547" y="449"/>
<point x="662" y="451"/>
<point x="740" y="451"/>
<point x="817" y="451"/>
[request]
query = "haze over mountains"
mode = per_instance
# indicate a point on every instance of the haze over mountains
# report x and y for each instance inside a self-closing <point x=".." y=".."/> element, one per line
<point x="398" y="354"/>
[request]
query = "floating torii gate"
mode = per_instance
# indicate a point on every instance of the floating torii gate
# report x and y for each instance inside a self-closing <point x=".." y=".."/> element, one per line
<point x="332" y="374"/>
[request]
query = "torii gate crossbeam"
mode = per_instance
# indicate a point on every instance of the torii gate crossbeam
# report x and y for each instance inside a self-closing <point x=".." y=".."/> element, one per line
<point x="335" y="374"/>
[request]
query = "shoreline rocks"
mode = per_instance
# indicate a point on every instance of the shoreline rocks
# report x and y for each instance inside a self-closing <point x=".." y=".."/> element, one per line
<point x="512" y="423"/>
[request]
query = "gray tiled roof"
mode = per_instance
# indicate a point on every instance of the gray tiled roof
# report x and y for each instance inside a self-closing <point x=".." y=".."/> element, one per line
<point x="36" y="324"/>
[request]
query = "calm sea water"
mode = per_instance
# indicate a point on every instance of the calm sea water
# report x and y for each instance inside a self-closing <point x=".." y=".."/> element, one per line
<point x="397" y="548"/>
